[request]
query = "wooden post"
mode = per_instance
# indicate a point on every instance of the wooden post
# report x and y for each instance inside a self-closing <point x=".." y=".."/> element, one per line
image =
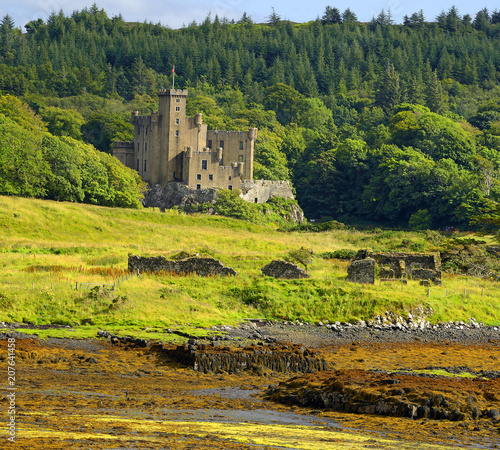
<point x="77" y="285"/>
<point x="428" y="292"/>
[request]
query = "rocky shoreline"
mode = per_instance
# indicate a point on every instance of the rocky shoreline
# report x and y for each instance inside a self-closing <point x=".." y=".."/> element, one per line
<point x="389" y="328"/>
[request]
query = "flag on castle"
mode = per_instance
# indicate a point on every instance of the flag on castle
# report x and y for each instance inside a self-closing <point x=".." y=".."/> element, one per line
<point x="173" y="76"/>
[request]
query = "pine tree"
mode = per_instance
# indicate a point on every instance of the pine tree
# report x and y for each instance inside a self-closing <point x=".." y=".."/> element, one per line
<point x="388" y="93"/>
<point x="434" y="96"/>
<point x="274" y="18"/>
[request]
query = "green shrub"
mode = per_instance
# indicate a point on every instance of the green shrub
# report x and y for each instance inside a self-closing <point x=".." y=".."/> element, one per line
<point x="332" y="225"/>
<point x="344" y="254"/>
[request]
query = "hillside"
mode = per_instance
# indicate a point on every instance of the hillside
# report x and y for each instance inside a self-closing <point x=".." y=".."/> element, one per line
<point x="48" y="247"/>
<point x="376" y="123"/>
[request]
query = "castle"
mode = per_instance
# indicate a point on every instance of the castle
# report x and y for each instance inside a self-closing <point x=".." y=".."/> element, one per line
<point x="169" y="146"/>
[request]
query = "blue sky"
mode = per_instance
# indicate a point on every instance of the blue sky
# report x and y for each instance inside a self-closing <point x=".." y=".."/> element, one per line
<point x="175" y="13"/>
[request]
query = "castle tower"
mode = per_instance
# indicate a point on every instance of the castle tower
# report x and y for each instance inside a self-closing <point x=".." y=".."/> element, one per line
<point x="172" y="134"/>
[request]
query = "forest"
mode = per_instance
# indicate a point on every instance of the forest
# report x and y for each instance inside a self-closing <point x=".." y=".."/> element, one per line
<point x="375" y="123"/>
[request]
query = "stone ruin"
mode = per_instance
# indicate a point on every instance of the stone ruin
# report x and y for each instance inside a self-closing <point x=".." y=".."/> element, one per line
<point x="394" y="266"/>
<point x="203" y="267"/>
<point x="284" y="270"/>
<point x="283" y="357"/>
<point x="362" y="271"/>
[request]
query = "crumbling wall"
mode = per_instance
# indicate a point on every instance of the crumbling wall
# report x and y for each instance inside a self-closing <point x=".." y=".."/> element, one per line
<point x="418" y="266"/>
<point x="203" y="267"/>
<point x="284" y="269"/>
<point x="362" y="271"/>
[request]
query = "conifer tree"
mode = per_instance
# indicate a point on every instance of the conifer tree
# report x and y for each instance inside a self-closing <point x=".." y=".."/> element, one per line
<point x="388" y="93"/>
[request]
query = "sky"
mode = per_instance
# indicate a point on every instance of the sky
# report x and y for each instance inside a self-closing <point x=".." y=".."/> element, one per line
<point x="176" y="13"/>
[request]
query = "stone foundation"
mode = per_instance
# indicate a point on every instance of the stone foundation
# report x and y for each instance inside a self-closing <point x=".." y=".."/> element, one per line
<point x="283" y="269"/>
<point x="203" y="267"/>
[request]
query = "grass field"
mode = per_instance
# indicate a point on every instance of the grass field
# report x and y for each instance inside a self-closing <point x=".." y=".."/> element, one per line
<point x="47" y="248"/>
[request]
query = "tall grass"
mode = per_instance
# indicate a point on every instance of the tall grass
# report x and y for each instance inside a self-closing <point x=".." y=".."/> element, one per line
<point x="47" y="247"/>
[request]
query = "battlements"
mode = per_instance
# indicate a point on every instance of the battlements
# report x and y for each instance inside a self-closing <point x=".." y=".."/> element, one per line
<point x="169" y="146"/>
<point x="173" y="92"/>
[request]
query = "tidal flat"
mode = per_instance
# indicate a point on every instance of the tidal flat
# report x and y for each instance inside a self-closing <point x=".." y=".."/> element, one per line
<point x="95" y="394"/>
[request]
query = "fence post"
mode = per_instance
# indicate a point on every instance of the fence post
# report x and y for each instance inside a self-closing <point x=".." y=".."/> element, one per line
<point x="77" y="285"/>
<point x="428" y="292"/>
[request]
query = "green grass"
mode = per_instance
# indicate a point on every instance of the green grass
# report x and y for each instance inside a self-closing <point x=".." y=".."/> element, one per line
<point x="47" y="247"/>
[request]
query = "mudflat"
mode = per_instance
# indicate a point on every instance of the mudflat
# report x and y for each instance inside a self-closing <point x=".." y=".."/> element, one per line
<point x="97" y="394"/>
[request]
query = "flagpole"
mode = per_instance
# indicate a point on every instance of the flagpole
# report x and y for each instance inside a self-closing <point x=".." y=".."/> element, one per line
<point x="173" y="78"/>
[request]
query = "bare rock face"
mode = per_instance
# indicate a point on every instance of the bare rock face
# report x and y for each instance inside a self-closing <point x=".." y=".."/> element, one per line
<point x="203" y="267"/>
<point x="283" y="269"/>
<point x="177" y="194"/>
<point x="283" y="357"/>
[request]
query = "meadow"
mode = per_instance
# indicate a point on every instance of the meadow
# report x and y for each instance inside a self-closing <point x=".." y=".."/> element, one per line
<point x="66" y="264"/>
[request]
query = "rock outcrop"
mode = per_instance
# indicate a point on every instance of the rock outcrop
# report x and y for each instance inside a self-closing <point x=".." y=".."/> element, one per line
<point x="283" y="357"/>
<point x="391" y="394"/>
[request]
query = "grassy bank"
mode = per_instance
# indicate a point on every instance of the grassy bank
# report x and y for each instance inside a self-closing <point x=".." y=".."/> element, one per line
<point x="49" y="248"/>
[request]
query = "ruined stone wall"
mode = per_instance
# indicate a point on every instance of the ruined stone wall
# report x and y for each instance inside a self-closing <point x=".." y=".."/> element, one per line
<point x="362" y="271"/>
<point x="260" y="191"/>
<point x="284" y="270"/>
<point x="200" y="266"/>
<point x="418" y="266"/>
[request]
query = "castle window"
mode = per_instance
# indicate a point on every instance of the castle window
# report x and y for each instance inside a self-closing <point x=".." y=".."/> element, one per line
<point x="146" y="147"/>
<point x="177" y="121"/>
<point x="176" y="133"/>
<point x="138" y="147"/>
<point x="256" y="200"/>
<point x="221" y="144"/>
<point x="177" y="100"/>
<point x="198" y="186"/>
<point x="177" y="108"/>
<point x="145" y="165"/>
<point x="137" y="165"/>
<point x="198" y="176"/>
<point x="209" y="143"/>
<point x="204" y="164"/>
<point x="230" y="187"/>
<point x="211" y="177"/>
<point x="229" y="178"/>
<point x="240" y="158"/>
<point x="241" y="145"/>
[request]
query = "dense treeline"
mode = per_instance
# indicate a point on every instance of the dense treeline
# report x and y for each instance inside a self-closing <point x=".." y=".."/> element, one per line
<point x="374" y="122"/>
<point x="35" y="163"/>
